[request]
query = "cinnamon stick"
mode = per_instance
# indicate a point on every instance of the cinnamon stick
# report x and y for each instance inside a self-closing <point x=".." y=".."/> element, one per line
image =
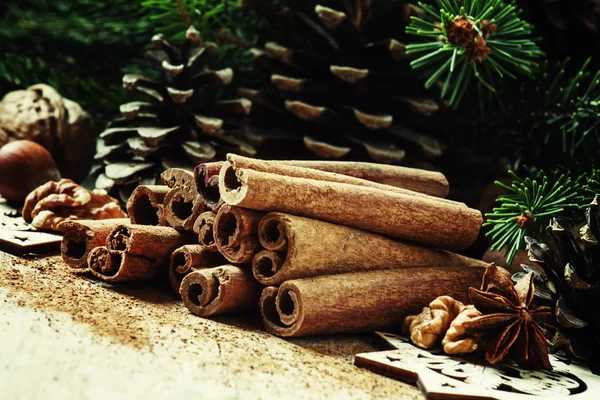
<point x="178" y="178"/>
<point x="219" y="290"/>
<point x="204" y="228"/>
<point x="236" y="233"/>
<point x="360" y="301"/>
<point x="415" y="180"/>
<point x="118" y="266"/>
<point x="182" y="204"/>
<point x="282" y="168"/>
<point x="145" y="205"/>
<point x="152" y="242"/>
<point x="418" y="180"/>
<point x="423" y="220"/>
<point x="182" y="208"/>
<point x="81" y="236"/>
<point x="298" y="247"/>
<point x="190" y="258"/>
<point x="206" y="176"/>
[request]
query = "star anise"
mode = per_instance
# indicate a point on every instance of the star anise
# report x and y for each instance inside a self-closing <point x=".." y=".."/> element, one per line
<point x="509" y="323"/>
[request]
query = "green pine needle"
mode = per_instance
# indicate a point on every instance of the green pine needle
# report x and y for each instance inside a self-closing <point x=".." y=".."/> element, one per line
<point x="471" y="40"/>
<point x="528" y="207"/>
<point x="556" y="116"/>
<point x="591" y="189"/>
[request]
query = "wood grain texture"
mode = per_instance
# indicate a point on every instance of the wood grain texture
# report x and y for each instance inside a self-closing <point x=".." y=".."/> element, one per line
<point x="145" y="205"/>
<point x="219" y="290"/>
<point x="82" y="236"/>
<point x="425" y="221"/>
<point x="298" y="247"/>
<point x="148" y="346"/>
<point x="191" y="257"/>
<point x="360" y="301"/>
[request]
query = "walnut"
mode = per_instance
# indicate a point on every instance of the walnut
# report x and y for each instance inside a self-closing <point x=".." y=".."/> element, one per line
<point x="55" y="202"/>
<point x="456" y="339"/>
<point x="42" y="115"/>
<point x="431" y="324"/>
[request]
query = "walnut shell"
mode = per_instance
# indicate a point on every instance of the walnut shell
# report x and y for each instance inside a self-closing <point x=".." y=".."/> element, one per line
<point x="428" y="327"/>
<point x="40" y="114"/>
<point x="54" y="202"/>
<point x="457" y="340"/>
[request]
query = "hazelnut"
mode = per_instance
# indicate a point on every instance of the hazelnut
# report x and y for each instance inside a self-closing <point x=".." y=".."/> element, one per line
<point x="24" y="165"/>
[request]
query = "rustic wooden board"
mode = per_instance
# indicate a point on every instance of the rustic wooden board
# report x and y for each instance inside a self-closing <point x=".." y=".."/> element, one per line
<point x="64" y="336"/>
<point x="440" y="376"/>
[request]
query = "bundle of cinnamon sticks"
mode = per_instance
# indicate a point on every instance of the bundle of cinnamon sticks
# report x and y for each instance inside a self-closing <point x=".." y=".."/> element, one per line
<point x="316" y="246"/>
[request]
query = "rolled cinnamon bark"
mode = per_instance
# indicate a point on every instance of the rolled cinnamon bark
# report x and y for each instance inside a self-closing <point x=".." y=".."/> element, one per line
<point x="117" y="266"/>
<point x="360" y="301"/>
<point x="145" y="205"/>
<point x="423" y="220"/>
<point x="82" y="236"/>
<point x="418" y="180"/>
<point x="190" y="258"/>
<point x="207" y="184"/>
<point x="281" y="168"/>
<point x="298" y="247"/>
<point x="152" y="242"/>
<point x="204" y="228"/>
<point x="179" y="178"/>
<point x="182" y="208"/>
<point x="236" y="233"/>
<point x="219" y="290"/>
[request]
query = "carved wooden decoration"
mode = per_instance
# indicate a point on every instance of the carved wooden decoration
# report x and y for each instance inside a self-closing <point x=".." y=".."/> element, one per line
<point x="440" y="376"/>
<point x="18" y="237"/>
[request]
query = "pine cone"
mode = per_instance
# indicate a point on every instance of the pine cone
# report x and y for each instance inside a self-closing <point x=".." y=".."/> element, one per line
<point x="569" y="282"/>
<point x="349" y="95"/>
<point x="185" y="123"/>
<point x="569" y="27"/>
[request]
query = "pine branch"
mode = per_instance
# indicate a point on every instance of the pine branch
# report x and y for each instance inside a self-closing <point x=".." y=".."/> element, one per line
<point x="554" y="118"/>
<point x="171" y="17"/>
<point x="471" y="41"/>
<point x="591" y="189"/>
<point x="528" y="207"/>
<point x="83" y="48"/>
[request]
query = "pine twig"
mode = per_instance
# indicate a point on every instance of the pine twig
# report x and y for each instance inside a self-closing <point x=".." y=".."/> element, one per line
<point x="184" y="15"/>
<point x="556" y="115"/>
<point x="528" y="207"/>
<point x="471" y="40"/>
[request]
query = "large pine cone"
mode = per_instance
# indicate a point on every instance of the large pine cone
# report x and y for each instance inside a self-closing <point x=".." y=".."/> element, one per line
<point x="184" y="124"/>
<point x="348" y="93"/>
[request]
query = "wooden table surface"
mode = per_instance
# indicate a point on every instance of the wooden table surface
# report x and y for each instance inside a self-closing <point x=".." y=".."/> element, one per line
<point x="66" y="336"/>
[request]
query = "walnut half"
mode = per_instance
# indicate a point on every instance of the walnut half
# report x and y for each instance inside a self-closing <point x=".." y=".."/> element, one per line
<point x="55" y="202"/>
<point x="443" y="320"/>
<point x="427" y="328"/>
<point x="457" y="340"/>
